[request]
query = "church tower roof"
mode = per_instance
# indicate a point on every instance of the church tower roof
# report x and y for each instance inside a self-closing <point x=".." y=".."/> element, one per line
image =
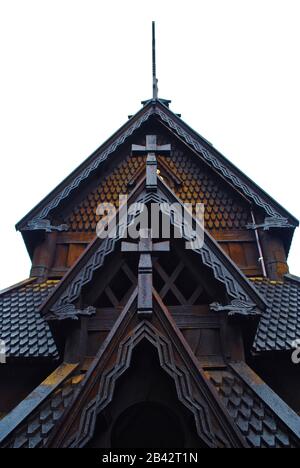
<point x="158" y="303"/>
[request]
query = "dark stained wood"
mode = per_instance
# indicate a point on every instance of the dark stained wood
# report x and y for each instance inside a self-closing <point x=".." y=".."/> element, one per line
<point x="275" y="255"/>
<point x="151" y="150"/>
<point x="175" y="355"/>
<point x="18" y="381"/>
<point x="44" y="256"/>
<point x="185" y="333"/>
<point x="75" y="251"/>
<point x="61" y="256"/>
<point x="170" y="282"/>
<point x="146" y="249"/>
<point x="245" y="255"/>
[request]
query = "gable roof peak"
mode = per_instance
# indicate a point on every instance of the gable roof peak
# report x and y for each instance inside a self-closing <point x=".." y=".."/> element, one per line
<point x="165" y="102"/>
<point x="158" y="109"/>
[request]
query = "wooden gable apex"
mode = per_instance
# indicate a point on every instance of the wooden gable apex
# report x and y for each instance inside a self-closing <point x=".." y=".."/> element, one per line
<point x="188" y="177"/>
<point x="40" y="216"/>
<point x="225" y="272"/>
<point x="226" y="211"/>
<point x="213" y="425"/>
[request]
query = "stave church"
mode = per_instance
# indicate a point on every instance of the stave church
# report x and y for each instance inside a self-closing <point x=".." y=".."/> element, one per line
<point x="115" y="342"/>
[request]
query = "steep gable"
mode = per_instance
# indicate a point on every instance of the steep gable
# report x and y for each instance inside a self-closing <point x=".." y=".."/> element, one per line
<point x="228" y="212"/>
<point x="77" y="427"/>
<point x="191" y="180"/>
<point x="156" y="113"/>
<point x="210" y="255"/>
<point x="190" y="314"/>
<point x="191" y="138"/>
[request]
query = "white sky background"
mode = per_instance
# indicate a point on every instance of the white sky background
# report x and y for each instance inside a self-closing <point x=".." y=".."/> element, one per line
<point x="71" y="72"/>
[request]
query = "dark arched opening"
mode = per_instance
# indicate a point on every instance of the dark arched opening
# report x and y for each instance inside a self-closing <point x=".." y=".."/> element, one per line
<point x="147" y="425"/>
<point x="145" y="410"/>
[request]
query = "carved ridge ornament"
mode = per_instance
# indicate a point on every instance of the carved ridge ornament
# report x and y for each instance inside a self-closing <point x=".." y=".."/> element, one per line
<point x="146" y="249"/>
<point x="236" y="307"/>
<point x="151" y="150"/>
<point x="44" y="225"/>
<point x="271" y="223"/>
<point x="69" y="311"/>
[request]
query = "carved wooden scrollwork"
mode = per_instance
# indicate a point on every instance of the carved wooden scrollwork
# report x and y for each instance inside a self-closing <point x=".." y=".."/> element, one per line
<point x="236" y="307"/>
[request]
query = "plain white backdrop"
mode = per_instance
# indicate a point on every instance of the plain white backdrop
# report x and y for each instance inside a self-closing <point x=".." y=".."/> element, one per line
<point x="72" y="71"/>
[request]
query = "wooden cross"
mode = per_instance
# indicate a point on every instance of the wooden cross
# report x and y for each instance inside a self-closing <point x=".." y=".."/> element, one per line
<point x="151" y="149"/>
<point x="146" y="248"/>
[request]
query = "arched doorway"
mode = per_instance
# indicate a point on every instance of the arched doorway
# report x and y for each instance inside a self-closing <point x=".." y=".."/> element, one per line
<point x="147" y="425"/>
<point x="145" y="411"/>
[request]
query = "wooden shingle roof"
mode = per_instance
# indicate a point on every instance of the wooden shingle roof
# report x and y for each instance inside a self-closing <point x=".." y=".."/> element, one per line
<point x="23" y="330"/>
<point x="164" y="116"/>
<point x="280" y="324"/>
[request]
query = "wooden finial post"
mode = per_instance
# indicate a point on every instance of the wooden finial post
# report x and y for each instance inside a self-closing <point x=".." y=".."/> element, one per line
<point x="155" y="80"/>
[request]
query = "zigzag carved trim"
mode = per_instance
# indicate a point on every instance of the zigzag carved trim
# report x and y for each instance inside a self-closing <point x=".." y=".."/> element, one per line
<point x="181" y="377"/>
<point x="208" y="257"/>
<point x="107" y="246"/>
<point x="94" y="165"/>
<point x="221" y="168"/>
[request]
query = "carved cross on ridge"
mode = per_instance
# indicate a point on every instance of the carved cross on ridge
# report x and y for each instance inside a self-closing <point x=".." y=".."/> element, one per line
<point x="146" y="248"/>
<point x="151" y="149"/>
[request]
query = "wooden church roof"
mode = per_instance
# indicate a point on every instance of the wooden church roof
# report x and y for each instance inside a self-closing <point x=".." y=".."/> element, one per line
<point x="157" y="110"/>
<point x="238" y="409"/>
<point x="55" y="418"/>
<point x="58" y="315"/>
<point x="27" y="333"/>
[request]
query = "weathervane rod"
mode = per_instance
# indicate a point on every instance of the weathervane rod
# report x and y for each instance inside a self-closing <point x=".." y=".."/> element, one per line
<point x="155" y="88"/>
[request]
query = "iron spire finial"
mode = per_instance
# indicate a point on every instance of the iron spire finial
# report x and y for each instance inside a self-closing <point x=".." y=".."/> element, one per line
<point x="155" y="80"/>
